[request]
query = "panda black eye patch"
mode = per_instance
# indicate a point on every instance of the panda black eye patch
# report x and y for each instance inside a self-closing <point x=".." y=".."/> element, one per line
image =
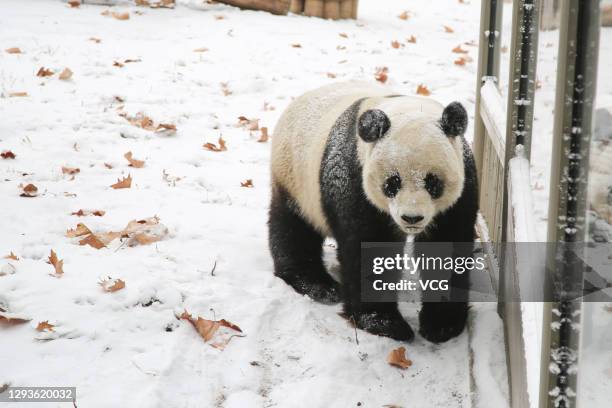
<point x="392" y="185"/>
<point x="434" y="186"/>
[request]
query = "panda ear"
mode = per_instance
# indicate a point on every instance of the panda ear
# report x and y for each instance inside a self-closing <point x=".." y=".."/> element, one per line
<point x="454" y="120"/>
<point x="373" y="124"/>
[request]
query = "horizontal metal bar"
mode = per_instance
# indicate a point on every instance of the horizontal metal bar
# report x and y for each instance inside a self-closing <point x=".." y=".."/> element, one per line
<point x="494" y="118"/>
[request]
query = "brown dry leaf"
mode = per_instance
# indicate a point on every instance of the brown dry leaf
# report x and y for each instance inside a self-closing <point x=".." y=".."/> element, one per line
<point x="95" y="39"/>
<point x="58" y="264"/>
<point x="117" y="64"/>
<point x="396" y="44"/>
<point x="423" y="90"/>
<point x="397" y="357"/>
<point x="141" y="120"/>
<point x="65" y="75"/>
<point x="296" y="45"/>
<point x="134" y="162"/>
<point x="131" y="60"/>
<point x="331" y="75"/>
<point x="247" y="183"/>
<point x="44" y="72"/>
<point x="460" y="61"/>
<point x="13" y="50"/>
<point x="459" y="50"/>
<point x="10" y="321"/>
<point x="108" y="166"/>
<point x="343" y="35"/>
<point x="12" y="256"/>
<point x="168" y="128"/>
<point x="341" y="47"/>
<point x="404" y="16"/>
<point x="70" y="170"/>
<point x="263" y="138"/>
<point x="381" y="74"/>
<point x="144" y="232"/>
<point x="219" y="17"/>
<point x="42" y="326"/>
<point x="225" y="89"/>
<point x="29" y="191"/>
<point x="84" y="213"/>
<point x="109" y="285"/>
<point x="125" y="183"/>
<point x="448" y="29"/>
<point x="201" y="49"/>
<point x="209" y="330"/>
<point x="214" y="148"/>
<point x="412" y="39"/>
<point x="80" y="230"/>
<point x="17" y="94"/>
<point x="249" y="124"/>
<point x="74" y="3"/>
<point x="7" y="154"/>
<point x="121" y="16"/>
<point x="92" y="241"/>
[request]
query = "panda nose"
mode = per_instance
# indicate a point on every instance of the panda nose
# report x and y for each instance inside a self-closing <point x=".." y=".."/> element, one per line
<point x="412" y="219"/>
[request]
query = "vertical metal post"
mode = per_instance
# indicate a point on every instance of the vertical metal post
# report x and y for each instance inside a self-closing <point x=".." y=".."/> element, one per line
<point x="488" y="67"/>
<point x="523" y="62"/>
<point x="576" y="79"/>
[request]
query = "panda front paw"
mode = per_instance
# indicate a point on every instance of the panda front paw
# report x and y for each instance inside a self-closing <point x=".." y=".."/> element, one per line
<point x="388" y="324"/>
<point x="439" y="322"/>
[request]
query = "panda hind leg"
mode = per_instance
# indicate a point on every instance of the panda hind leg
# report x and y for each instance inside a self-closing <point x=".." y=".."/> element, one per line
<point x="297" y="251"/>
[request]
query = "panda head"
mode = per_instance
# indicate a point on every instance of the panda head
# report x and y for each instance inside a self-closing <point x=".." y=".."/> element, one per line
<point x="412" y="161"/>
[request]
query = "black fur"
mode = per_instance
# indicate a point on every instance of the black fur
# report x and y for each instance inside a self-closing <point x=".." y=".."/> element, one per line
<point x="454" y="120"/>
<point x="373" y="124"/>
<point x="296" y="246"/>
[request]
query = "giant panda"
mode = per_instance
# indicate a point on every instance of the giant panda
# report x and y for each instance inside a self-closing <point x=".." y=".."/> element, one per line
<point x="358" y="163"/>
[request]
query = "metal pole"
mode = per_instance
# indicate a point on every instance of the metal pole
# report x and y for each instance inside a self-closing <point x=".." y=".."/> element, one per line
<point x="576" y="80"/>
<point x="488" y="67"/>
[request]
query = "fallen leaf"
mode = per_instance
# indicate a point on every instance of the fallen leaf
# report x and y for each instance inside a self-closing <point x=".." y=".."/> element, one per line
<point x="7" y="154"/>
<point x="397" y="357"/>
<point x="423" y="90"/>
<point x="108" y="166"/>
<point x="225" y="89"/>
<point x="396" y="44"/>
<point x="166" y="128"/>
<point x="263" y="138"/>
<point x="65" y="75"/>
<point x="219" y="17"/>
<point x="74" y="3"/>
<point x="144" y="232"/>
<point x="201" y="49"/>
<point x="459" y="50"/>
<point x="331" y="75"/>
<point x="44" y="72"/>
<point x="42" y="326"/>
<point x="109" y="285"/>
<point x="404" y="15"/>
<point x="84" y="213"/>
<point x="213" y="147"/>
<point x="133" y="162"/>
<point x="209" y="330"/>
<point x="343" y="35"/>
<point x="17" y="94"/>
<point x="11" y="256"/>
<point x="125" y="183"/>
<point x="13" y="50"/>
<point x="459" y="61"/>
<point x="11" y="321"/>
<point x="341" y="47"/>
<point x="381" y="74"/>
<point x="249" y="124"/>
<point x="80" y="230"/>
<point x="448" y="29"/>
<point x="95" y="39"/>
<point x="29" y="191"/>
<point x="92" y="241"/>
<point x="121" y="16"/>
<point x="117" y="64"/>
<point x="296" y="45"/>
<point x="247" y="183"/>
<point x="412" y="39"/>
<point x="58" y="264"/>
<point x="130" y="60"/>
<point x="70" y="170"/>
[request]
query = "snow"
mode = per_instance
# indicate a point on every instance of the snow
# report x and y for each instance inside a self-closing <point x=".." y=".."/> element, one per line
<point x="127" y="348"/>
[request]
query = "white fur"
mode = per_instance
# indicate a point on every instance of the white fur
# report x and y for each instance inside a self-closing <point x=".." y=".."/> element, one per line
<point x="413" y="146"/>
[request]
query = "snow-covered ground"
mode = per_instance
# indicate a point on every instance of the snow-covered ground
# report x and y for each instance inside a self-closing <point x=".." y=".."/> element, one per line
<point x="127" y="348"/>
